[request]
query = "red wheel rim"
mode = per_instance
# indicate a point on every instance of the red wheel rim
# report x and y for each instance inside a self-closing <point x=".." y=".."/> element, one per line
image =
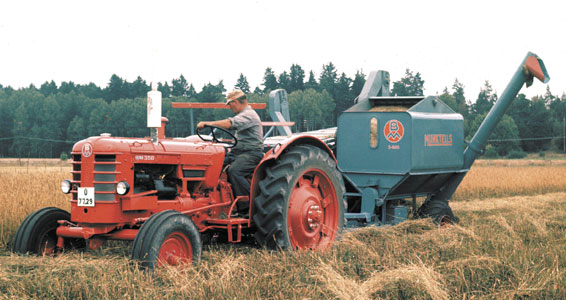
<point x="313" y="211"/>
<point x="175" y="250"/>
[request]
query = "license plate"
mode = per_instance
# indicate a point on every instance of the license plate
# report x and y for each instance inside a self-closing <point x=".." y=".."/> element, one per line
<point x="85" y="196"/>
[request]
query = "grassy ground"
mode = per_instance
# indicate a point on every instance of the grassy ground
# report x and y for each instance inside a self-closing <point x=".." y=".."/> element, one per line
<point x="510" y="243"/>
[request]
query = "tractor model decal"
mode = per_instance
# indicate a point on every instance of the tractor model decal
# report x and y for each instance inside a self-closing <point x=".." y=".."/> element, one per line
<point x="87" y="150"/>
<point x="393" y="131"/>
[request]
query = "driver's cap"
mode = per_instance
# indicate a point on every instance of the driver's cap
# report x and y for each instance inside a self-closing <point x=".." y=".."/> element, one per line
<point x="235" y="95"/>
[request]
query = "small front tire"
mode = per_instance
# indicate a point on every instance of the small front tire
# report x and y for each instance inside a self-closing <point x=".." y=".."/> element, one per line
<point x="167" y="238"/>
<point x="38" y="233"/>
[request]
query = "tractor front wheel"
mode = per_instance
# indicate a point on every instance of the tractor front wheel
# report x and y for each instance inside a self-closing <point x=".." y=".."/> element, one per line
<point x="38" y="233"/>
<point x="167" y="238"/>
<point x="300" y="202"/>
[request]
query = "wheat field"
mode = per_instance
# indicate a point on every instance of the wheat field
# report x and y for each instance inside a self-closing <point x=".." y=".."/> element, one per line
<point x="510" y="244"/>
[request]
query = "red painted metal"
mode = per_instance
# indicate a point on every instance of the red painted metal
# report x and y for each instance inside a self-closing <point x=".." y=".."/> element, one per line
<point x="161" y="131"/>
<point x="175" y="250"/>
<point x="213" y="105"/>
<point x="274" y="154"/>
<point x="534" y="67"/>
<point x="313" y="211"/>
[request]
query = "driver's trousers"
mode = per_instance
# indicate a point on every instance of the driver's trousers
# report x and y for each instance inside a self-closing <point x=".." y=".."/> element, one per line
<point x="242" y="166"/>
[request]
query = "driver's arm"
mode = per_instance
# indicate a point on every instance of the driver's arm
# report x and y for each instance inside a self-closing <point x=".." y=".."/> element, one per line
<point x="226" y="124"/>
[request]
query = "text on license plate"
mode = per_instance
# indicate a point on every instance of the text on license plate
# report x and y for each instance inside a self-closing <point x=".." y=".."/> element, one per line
<point x="85" y="196"/>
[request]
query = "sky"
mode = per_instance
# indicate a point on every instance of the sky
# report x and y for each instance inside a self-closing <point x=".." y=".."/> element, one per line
<point x="208" y="41"/>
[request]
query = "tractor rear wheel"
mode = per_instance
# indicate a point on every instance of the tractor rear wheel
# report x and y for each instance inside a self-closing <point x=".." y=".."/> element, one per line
<point x="167" y="238"/>
<point x="300" y="202"/>
<point x="38" y="233"/>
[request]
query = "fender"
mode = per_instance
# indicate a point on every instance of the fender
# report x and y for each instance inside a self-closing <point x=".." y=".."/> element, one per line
<point x="274" y="153"/>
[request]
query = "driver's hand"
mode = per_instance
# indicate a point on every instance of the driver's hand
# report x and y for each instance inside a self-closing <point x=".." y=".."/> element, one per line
<point x="201" y="125"/>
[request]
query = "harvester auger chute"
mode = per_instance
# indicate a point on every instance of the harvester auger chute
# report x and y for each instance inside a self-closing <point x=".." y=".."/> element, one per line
<point x="168" y="195"/>
<point x="436" y="205"/>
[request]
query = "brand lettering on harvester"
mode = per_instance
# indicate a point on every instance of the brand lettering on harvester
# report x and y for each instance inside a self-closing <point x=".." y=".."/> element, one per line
<point x="432" y="140"/>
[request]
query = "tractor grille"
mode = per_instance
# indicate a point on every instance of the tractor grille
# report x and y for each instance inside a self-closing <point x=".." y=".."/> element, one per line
<point x="104" y="177"/>
<point x="76" y="172"/>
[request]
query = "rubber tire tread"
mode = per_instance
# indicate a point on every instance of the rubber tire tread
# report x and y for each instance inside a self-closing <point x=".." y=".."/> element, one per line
<point x="272" y="199"/>
<point x="436" y="209"/>
<point x="23" y="240"/>
<point x="142" y="233"/>
<point x="145" y="249"/>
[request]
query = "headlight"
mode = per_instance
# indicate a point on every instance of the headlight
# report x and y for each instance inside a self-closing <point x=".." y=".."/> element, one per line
<point x="66" y="186"/>
<point x="122" y="188"/>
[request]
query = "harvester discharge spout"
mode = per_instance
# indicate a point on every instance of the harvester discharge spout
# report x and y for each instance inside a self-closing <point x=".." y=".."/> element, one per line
<point x="532" y="66"/>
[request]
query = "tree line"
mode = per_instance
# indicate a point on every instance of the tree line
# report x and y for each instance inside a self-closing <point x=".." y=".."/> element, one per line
<point x="47" y="121"/>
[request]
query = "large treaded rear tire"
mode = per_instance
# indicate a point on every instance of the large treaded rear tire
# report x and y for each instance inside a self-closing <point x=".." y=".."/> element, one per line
<point x="37" y="233"/>
<point x="300" y="203"/>
<point x="168" y="237"/>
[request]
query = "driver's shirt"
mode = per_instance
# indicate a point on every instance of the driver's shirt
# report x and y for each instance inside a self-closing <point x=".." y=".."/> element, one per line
<point x="249" y="131"/>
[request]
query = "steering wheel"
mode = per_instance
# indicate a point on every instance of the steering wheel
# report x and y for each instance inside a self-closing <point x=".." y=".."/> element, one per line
<point x="231" y="143"/>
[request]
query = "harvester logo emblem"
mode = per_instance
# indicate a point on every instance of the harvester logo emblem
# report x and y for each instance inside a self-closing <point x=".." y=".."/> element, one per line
<point x="87" y="150"/>
<point x="393" y="131"/>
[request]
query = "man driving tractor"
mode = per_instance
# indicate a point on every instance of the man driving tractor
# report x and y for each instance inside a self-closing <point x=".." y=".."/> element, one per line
<point x="247" y="154"/>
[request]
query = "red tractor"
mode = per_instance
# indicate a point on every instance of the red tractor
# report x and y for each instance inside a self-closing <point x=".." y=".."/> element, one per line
<point x="168" y="194"/>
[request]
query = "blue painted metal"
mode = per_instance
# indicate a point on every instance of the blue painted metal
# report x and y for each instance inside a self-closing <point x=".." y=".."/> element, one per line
<point x="279" y="111"/>
<point x="416" y="152"/>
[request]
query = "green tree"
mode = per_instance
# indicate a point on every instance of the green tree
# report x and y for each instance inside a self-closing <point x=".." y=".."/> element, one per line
<point x="505" y="136"/>
<point x="410" y="85"/>
<point x="48" y="88"/>
<point x="460" y="99"/>
<point x="311" y="82"/>
<point x="191" y="92"/>
<point x="242" y="84"/>
<point x="67" y="87"/>
<point x="76" y="130"/>
<point x="165" y="89"/>
<point x="311" y="109"/>
<point x="115" y="89"/>
<point x="344" y="99"/>
<point x="269" y="81"/>
<point x="358" y="83"/>
<point x="296" y="78"/>
<point x="179" y="86"/>
<point x="211" y="93"/>
<point x="328" y="79"/>
<point x="448" y="99"/>
<point x="486" y="99"/>
<point x="90" y="90"/>
<point x="139" y="88"/>
<point x="539" y="125"/>
<point x="284" y="81"/>
<point x="557" y="107"/>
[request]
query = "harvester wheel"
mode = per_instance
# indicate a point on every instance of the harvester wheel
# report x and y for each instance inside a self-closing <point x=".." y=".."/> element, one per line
<point x="438" y="210"/>
<point x="300" y="202"/>
<point x="168" y="237"/>
<point x="37" y="233"/>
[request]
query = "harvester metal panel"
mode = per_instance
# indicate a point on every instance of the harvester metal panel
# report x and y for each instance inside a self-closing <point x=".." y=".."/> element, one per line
<point x="415" y="150"/>
<point x="437" y="141"/>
